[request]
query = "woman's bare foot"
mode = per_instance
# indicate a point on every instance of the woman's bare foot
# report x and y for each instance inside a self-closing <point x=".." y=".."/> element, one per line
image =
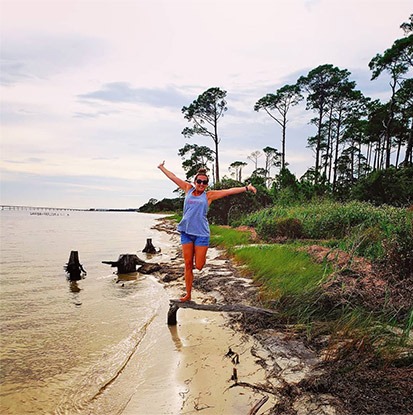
<point x="185" y="298"/>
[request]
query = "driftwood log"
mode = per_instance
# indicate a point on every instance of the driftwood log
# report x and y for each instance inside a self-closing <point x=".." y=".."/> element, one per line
<point x="175" y="305"/>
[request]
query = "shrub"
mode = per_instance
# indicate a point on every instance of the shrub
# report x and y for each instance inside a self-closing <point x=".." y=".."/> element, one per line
<point x="290" y="228"/>
<point x="391" y="186"/>
<point x="164" y="205"/>
<point x="398" y="252"/>
<point x="228" y="209"/>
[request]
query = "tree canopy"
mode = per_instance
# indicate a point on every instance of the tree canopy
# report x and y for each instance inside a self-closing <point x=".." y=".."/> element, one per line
<point x="204" y="113"/>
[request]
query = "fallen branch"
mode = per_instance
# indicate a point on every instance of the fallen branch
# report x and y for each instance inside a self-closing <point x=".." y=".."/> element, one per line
<point x="232" y="308"/>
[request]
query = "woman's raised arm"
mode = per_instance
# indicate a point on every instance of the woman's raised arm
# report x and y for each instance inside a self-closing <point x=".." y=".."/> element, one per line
<point x="179" y="182"/>
<point x="219" y="194"/>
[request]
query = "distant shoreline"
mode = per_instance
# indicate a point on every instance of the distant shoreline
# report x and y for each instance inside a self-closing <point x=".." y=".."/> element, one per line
<point x="23" y="207"/>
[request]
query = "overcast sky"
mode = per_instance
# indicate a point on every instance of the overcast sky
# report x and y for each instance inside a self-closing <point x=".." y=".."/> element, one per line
<point x="92" y="90"/>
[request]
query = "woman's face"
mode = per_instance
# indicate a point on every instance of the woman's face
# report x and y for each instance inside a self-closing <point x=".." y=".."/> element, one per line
<point x="201" y="183"/>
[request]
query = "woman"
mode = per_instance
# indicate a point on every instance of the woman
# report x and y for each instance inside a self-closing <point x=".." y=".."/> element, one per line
<point x="194" y="227"/>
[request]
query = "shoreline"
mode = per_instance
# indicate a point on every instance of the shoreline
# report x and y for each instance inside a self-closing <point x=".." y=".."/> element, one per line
<point x="271" y="361"/>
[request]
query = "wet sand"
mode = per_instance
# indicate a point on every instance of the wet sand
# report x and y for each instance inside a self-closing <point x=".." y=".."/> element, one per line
<point x="190" y="371"/>
<point x="205" y="370"/>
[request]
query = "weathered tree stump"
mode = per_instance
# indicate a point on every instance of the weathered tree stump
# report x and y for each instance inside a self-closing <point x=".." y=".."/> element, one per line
<point x="149" y="248"/>
<point x="173" y="308"/>
<point x="74" y="268"/>
<point x="127" y="263"/>
<point x="175" y="305"/>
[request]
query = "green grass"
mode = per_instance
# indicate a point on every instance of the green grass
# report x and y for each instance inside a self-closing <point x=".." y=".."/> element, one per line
<point x="282" y="269"/>
<point x="332" y="219"/>
<point x="176" y="216"/>
<point x="228" y="238"/>
<point x="362" y="228"/>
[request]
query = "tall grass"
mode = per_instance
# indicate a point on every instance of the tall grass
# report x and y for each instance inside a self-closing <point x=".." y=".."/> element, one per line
<point x="328" y="219"/>
<point x="365" y="229"/>
<point x="281" y="269"/>
<point x="228" y="237"/>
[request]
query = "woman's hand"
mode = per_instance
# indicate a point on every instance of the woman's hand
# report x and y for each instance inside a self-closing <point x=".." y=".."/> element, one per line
<point x="161" y="165"/>
<point x="251" y="188"/>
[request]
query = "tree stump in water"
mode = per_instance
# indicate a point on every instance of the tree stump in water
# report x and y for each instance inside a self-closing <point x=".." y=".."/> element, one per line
<point x="74" y="267"/>
<point x="149" y="248"/>
<point x="127" y="263"/>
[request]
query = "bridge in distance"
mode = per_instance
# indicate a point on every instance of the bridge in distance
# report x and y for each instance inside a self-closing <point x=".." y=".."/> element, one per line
<point x="39" y="208"/>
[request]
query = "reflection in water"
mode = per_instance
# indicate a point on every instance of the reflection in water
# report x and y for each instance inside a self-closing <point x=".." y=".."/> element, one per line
<point x="127" y="277"/>
<point x="74" y="288"/>
<point x="175" y="337"/>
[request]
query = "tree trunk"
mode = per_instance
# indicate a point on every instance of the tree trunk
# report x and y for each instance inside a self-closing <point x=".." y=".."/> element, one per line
<point x="329" y="147"/>
<point x="408" y="156"/>
<point x="318" y="144"/>
<point x="74" y="267"/>
<point x="336" y="152"/>
<point x="126" y="263"/>
<point x="149" y="248"/>
<point x="284" y="128"/>
<point x="216" y="140"/>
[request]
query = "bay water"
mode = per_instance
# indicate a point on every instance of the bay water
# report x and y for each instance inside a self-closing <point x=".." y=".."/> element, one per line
<point x="64" y="345"/>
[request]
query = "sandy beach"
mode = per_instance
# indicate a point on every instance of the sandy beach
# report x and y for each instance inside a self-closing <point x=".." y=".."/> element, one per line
<point x="192" y="371"/>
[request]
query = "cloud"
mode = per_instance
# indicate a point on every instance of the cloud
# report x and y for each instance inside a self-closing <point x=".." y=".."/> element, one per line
<point x="93" y="115"/>
<point x="41" y="56"/>
<point x="29" y="160"/>
<point x="124" y="92"/>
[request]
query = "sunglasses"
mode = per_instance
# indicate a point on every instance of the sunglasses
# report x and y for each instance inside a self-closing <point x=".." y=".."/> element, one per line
<point x="204" y="182"/>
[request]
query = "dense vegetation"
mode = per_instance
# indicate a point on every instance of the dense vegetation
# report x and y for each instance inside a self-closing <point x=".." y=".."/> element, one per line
<point x="378" y="233"/>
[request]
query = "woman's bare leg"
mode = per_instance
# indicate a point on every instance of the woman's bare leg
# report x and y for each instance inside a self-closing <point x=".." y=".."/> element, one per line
<point x="188" y="253"/>
<point x="200" y="256"/>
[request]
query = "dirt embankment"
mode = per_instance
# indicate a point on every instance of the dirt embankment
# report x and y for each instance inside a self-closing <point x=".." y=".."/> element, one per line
<point x="309" y="376"/>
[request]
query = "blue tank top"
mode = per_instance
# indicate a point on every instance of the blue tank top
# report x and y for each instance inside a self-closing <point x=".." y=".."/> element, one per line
<point x="194" y="220"/>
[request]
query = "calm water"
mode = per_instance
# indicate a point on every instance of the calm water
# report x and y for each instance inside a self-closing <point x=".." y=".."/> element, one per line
<point x="63" y="345"/>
